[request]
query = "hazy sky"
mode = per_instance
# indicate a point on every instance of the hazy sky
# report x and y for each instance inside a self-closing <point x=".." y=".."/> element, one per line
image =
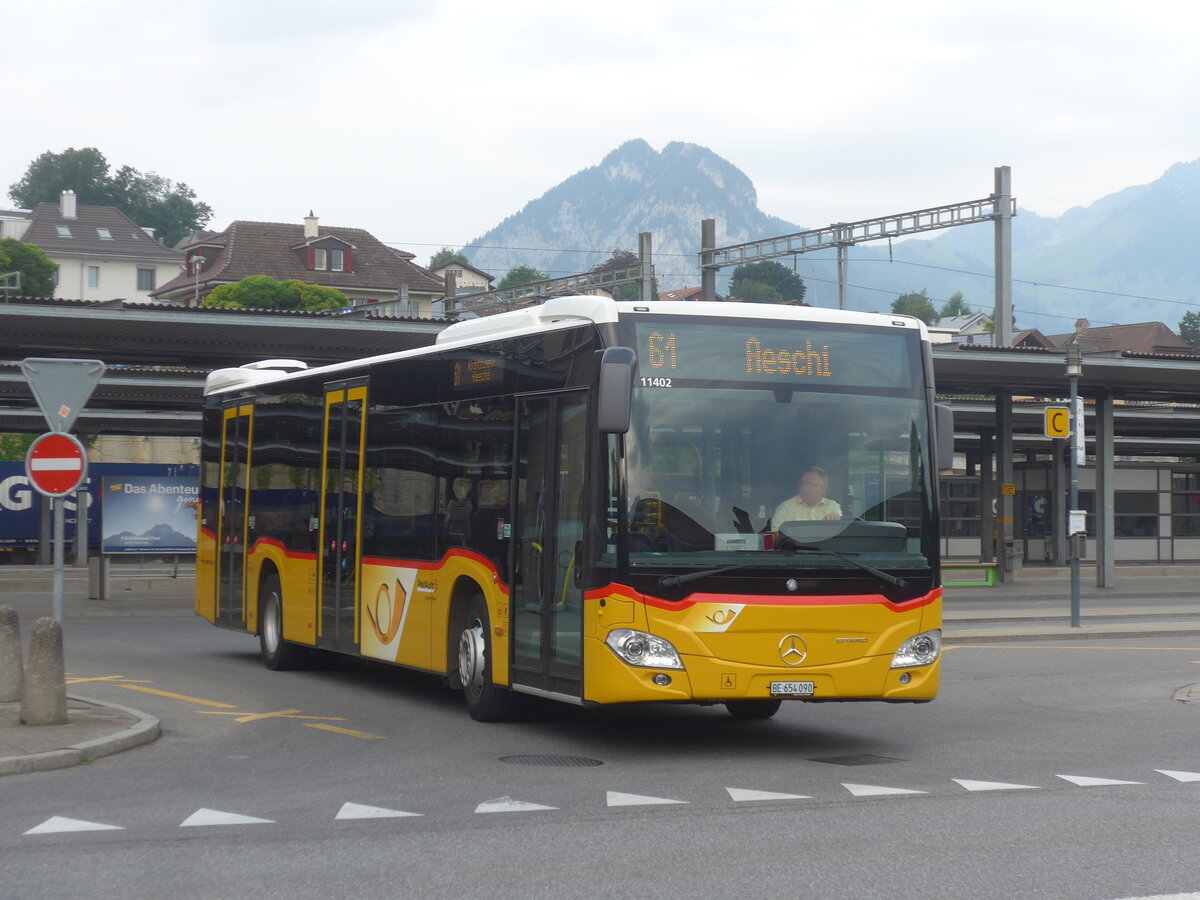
<point x="428" y="122"/>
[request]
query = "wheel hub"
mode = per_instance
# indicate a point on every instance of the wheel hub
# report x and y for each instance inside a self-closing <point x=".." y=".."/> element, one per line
<point x="470" y="657"/>
<point x="271" y="625"/>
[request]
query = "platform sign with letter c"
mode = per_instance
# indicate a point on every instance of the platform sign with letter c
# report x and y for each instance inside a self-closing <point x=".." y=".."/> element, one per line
<point x="1058" y="421"/>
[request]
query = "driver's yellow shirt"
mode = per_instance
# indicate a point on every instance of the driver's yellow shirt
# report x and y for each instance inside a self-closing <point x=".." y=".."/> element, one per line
<point x="796" y="510"/>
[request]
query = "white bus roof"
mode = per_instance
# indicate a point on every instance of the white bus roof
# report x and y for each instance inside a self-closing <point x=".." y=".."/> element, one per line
<point x="556" y="313"/>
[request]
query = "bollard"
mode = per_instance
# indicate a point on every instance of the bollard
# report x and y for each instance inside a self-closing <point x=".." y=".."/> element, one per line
<point x="12" y="677"/>
<point x="44" y="701"/>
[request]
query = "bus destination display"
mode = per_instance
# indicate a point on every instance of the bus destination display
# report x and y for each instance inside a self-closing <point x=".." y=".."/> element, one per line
<point x="752" y="352"/>
<point x="475" y="373"/>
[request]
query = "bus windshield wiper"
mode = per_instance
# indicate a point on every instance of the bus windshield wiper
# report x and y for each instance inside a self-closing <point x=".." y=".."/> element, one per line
<point x="673" y="580"/>
<point x="885" y="577"/>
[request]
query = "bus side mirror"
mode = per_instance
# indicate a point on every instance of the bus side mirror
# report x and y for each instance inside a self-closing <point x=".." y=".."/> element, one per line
<point x="615" y="395"/>
<point x="944" y="429"/>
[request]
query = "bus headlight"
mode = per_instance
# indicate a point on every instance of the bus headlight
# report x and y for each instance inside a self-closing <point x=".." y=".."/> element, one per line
<point x="641" y="649"/>
<point x="918" y="650"/>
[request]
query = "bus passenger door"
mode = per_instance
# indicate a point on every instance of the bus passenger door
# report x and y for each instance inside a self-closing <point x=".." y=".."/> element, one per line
<point x="546" y="606"/>
<point x="231" y="515"/>
<point x="341" y="513"/>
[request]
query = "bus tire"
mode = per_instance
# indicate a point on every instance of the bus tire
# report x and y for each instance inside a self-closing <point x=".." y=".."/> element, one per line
<point x="486" y="701"/>
<point x="746" y="710"/>
<point x="277" y="654"/>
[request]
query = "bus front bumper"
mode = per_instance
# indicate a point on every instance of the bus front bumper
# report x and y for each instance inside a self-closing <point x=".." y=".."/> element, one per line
<point x="708" y="680"/>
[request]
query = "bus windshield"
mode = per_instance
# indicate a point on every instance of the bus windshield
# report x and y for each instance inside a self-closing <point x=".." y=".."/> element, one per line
<point x="725" y="465"/>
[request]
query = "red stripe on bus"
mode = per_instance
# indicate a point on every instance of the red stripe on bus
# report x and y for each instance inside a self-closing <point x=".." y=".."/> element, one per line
<point x="437" y="564"/>
<point x="290" y="554"/>
<point x="769" y="600"/>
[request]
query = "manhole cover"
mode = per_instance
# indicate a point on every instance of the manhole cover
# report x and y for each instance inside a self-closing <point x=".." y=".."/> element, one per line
<point x="578" y="762"/>
<point x="865" y="759"/>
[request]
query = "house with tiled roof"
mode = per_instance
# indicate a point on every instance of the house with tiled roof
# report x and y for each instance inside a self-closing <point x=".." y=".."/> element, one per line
<point x="687" y="293"/>
<point x="467" y="278"/>
<point x="100" y="252"/>
<point x="351" y="260"/>
<point x="1143" y="337"/>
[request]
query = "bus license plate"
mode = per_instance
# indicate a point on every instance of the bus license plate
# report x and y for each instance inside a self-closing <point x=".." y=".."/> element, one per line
<point x="792" y="688"/>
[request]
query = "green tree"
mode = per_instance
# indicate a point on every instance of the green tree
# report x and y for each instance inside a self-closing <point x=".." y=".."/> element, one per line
<point x="621" y="259"/>
<point x="756" y="292"/>
<point x="315" y="296"/>
<point x="446" y="255"/>
<point x="786" y="283"/>
<point x="264" y="292"/>
<point x="15" y="447"/>
<point x="37" y="272"/>
<point x="150" y="200"/>
<point x="83" y="171"/>
<point x="521" y="275"/>
<point x="955" y="306"/>
<point x="916" y="304"/>
<point x="1189" y="329"/>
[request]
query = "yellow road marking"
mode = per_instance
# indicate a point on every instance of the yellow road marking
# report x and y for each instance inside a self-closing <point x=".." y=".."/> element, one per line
<point x="183" y="697"/>
<point x="358" y="734"/>
<point x="281" y="714"/>
<point x="227" y="709"/>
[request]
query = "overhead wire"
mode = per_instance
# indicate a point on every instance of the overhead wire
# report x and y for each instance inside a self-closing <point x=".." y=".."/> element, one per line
<point x="861" y="287"/>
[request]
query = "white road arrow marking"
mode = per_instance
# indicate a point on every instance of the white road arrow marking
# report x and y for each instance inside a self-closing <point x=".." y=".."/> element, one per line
<point x="993" y="785"/>
<point x="1086" y="781"/>
<point x="508" y="804"/>
<point x="741" y="795"/>
<point x="870" y="790"/>
<point x="1180" y="776"/>
<point x="362" y="811"/>
<point x="616" y="798"/>
<point x="204" y="816"/>
<point x="59" y="824"/>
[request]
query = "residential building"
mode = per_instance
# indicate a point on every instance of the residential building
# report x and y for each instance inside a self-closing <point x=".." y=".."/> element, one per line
<point x="351" y="260"/>
<point x="1143" y="337"/>
<point x="100" y="252"/>
<point x="687" y="293"/>
<point x="467" y="278"/>
<point x="13" y="223"/>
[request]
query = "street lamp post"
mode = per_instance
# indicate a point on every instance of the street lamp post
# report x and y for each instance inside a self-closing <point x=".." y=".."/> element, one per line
<point x="197" y="264"/>
<point x="1074" y="370"/>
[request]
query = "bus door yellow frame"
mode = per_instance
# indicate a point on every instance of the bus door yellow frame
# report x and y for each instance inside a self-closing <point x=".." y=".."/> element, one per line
<point x="340" y="534"/>
<point x="233" y="511"/>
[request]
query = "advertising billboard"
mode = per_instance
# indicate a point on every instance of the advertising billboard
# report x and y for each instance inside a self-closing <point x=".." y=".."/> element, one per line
<point x="149" y="514"/>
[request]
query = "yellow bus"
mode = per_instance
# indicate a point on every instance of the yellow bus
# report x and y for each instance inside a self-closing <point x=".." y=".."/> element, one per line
<point x="575" y="500"/>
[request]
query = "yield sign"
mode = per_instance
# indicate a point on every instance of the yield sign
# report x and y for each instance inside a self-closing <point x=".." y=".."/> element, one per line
<point x="56" y="464"/>
<point x="61" y="386"/>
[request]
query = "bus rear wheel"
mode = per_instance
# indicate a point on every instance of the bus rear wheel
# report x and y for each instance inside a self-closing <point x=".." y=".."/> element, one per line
<point x="752" y="709"/>
<point x="486" y="701"/>
<point x="277" y="654"/>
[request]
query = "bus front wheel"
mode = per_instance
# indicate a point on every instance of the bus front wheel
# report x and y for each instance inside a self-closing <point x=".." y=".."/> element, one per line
<point x="277" y="654"/>
<point x="753" y="709"/>
<point x="486" y="702"/>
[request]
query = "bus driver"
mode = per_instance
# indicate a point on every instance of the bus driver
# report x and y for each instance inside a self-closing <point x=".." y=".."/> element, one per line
<point x="810" y="502"/>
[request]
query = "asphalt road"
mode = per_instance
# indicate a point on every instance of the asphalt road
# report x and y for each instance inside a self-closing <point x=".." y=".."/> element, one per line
<point x="1056" y="770"/>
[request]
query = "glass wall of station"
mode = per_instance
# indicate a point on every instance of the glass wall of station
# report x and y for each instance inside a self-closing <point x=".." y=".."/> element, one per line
<point x="1156" y="512"/>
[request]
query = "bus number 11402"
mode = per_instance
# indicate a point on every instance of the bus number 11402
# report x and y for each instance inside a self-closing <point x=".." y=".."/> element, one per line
<point x="656" y="382"/>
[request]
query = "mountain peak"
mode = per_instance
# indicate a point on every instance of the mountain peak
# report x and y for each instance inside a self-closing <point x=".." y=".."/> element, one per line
<point x="633" y="189"/>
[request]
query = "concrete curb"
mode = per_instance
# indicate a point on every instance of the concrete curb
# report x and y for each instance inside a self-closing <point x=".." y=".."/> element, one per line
<point x="146" y="730"/>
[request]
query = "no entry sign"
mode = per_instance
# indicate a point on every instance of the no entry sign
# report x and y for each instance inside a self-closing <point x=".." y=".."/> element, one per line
<point x="56" y="464"/>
